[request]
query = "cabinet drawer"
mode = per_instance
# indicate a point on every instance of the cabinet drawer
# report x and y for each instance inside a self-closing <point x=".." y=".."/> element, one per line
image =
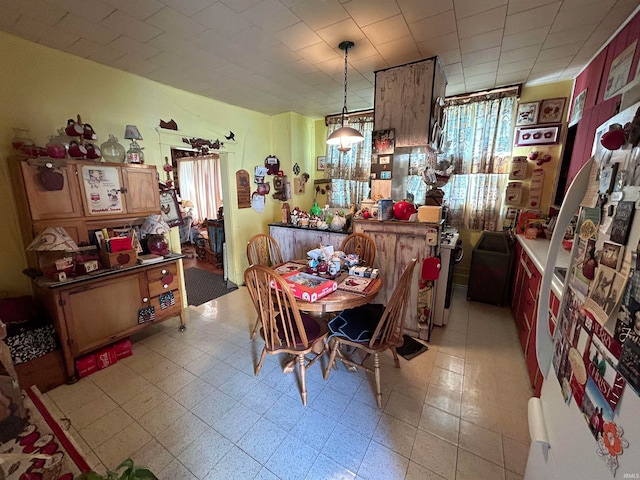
<point x="534" y="279"/>
<point x="171" y="311"/>
<point x="162" y="279"/>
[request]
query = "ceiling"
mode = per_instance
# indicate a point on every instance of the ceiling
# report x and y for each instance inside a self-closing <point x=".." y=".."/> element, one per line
<point x="275" y="56"/>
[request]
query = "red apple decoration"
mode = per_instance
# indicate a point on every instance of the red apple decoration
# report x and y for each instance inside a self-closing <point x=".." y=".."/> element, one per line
<point x="403" y="210"/>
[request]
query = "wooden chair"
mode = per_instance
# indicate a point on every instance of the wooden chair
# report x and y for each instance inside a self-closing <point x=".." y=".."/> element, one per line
<point x="372" y="329"/>
<point x="263" y="250"/>
<point x="284" y="328"/>
<point x="362" y="245"/>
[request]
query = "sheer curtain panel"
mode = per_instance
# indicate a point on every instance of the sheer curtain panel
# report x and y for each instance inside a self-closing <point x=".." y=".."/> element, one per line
<point x="200" y="182"/>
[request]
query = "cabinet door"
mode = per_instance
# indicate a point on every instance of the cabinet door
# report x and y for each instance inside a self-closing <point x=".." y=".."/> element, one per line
<point x="141" y="182"/>
<point x="103" y="312"/>
<point x="52" y="204"/>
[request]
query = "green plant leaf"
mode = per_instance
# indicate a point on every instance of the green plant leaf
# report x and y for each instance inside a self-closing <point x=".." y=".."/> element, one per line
<point x="126" y="463"/>
<point x="143" y="473"/>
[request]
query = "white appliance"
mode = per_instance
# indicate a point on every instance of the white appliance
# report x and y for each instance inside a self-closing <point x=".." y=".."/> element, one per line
<point x="574" y="439"/>
<point x="448" y="258"/>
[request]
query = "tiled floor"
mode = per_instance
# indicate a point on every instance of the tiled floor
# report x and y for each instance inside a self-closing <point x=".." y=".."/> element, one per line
<point x="189" y="406"/>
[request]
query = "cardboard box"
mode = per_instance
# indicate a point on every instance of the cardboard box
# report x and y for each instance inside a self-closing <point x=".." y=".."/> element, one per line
<point x="123" y="348"/>
<point x="309" y="287"/>
<point x="86" y="365"/>
<point x="429" y="213"/>
<point x="106" y="357"/>
<point x="126" y="258"/>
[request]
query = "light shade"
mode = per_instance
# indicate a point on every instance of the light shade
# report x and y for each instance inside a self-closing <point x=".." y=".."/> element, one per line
<point x="53" y="238"/>
<point x="154" y="224"/>
<point x="345" y="136"/>
<point x="131" y="132"/>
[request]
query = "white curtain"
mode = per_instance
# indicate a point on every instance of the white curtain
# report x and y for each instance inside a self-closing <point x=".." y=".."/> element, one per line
<point x="350" y="172"/>
<point x="200" y="182"/>
<point x="477" y="141"/>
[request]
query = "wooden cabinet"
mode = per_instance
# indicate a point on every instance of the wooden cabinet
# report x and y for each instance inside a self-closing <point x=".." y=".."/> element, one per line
<point x="295" y="242"/>
<point x="396" y="244"/>
<point x="51" y="204"/>
<point x="95" y="311"/>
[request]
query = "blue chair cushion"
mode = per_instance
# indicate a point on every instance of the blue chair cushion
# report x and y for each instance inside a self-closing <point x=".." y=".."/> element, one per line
<point x="357" y="324"/>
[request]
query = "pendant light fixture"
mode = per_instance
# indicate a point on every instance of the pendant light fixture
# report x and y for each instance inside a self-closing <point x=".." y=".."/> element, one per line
<point x="344" y="137"/>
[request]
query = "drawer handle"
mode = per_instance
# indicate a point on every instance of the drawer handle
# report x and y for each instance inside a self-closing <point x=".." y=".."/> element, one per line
<point x="164" y="271"/>
<point x="145" y="300"/>
<point x="165" y="286"/>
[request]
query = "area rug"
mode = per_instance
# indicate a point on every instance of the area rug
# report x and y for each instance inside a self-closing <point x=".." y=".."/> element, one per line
<point x="56" y="455"/>
<point x="411" y="348"/>
<point x="203" y="286"/>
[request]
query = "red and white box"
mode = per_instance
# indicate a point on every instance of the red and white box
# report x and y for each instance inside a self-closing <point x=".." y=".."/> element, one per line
<point x="106" y="357"/>
<point x="309" y="287"/>
<point x="123" y="348"/>
<point x="86" y="365"/>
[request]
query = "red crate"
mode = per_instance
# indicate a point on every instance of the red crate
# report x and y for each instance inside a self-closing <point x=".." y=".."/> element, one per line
<point x="86" y="365"/>
<point x="106" y="357"/>
<point x="123" y="348"/>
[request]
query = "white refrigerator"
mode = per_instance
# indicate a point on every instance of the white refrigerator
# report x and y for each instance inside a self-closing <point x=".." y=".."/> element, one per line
<point x="586" y="423"/>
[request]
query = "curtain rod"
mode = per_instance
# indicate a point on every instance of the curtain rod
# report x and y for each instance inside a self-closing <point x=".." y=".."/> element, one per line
<point x="509" y="88"/>
<point x="357" y="113"/>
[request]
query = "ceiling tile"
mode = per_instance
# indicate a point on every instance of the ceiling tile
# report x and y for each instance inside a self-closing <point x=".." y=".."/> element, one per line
<point x="271" y="16"/>
<point x="468" y="8"/>
<point x="569" y="36"/>
<point x="338" y="32"/>
<point x="481" y="42"/>
<point x="92" y="10"/>
<point x="361" y="49"/>
<point x="511" y="78"/>
<point x="36" y="9"/>
<point x="453" y="79"/>
<point x="222" y="18"/>
<point x="180" y="25"/>
<point x="520" y="54"/>
<point x="531" y="19"/>
<point x="366" y="12"/>
<point x="452" y="56"/>
<point x="481" y="57"/>
<point x="280" y="54"/>
<point x="320" y="14"/>
<point x="320" y="52"/>
<point x="482" y="22"/>
<point x="298" y="36"/>
<point x="453" y="69"/>
<point x="480" y="69"/>
<point x="253" y="38"/>
<point x="558" y="52"/>
<point x="124" y="23"/>
<point x="141" y="9"/>
<point x="372" y="63"/>
<point x="419" y="9"/>
<point x="519" y="66"/>
<point x="94" y="51"/>
<point x="480" y="82"/>
<point x="542" y="78"/>
<point x="402" y="50"/>
<point x="139" y="50"/>
<point x="240" y="5"/>
<point x="91" y="31"/>
<point x="188" y="7"/>
<point x="457" y="89"/>
<point x="525" y="39"/>
<point x="386" y="30"/>
<point x="583" y="16"/>
<point x="331" y="66"/>
<point x="134" y="65"/>
<point x="556" y="64"/>
<point x="433" y="27"/>
<point x="26" y="27"/>
<point x="434" y="46"/>
<point x="517" y="6"/>
<point x="56" y="38"/>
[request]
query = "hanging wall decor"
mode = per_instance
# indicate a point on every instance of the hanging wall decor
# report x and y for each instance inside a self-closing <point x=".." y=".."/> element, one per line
<point x="203" y="145"/>
<point x="243" y="189"/>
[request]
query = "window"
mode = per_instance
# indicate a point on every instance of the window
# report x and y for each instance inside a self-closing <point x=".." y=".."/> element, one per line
<point x="478" y="131"/>
<point x="350" y="172"/>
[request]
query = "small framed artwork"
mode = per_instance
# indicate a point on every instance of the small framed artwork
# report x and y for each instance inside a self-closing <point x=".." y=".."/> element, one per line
<point x="607" y="178"/>
<point x="383" y="141"/>
<point x="373" y="176"/>
<point x="385" y="175"/>
<point x="321" y="163"/>
<point x="611" y="255"/>
<point x="551" y="110"/>
<point x="170" y="208"/>
<point x="527" y="114"/>
<point x="384" y="159"/>
<point x="528" y="136"/>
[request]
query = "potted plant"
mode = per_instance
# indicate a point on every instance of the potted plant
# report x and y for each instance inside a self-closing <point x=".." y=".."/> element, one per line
<point x="125" y="471"/>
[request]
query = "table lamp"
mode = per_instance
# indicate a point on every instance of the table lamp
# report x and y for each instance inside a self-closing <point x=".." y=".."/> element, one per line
<point x="134" y="154"/>
<point x="55" y="251"/>
<point x="152" y="231"/>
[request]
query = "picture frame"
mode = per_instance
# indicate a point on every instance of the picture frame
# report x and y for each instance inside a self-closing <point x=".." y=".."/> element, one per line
<point x="169" y="208"/>
<point x="383" y="141"/>
<point x="551" y="110"/>
<point x="612" y="255"/>
<point x="529" y="136"/>
<point x="578" y="107"/>
<point x="385" y="175"/>
<point x="527" y="114"/>
<point x="321" y="163"/>
<point x="384" y="159"/>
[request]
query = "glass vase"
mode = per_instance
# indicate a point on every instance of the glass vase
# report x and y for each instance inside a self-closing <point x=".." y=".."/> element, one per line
<point x="21" y="139"/>
<point x="112" y="151"/>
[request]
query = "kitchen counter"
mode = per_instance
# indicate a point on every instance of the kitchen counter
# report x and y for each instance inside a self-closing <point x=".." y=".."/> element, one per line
<point x="538" y="250"/>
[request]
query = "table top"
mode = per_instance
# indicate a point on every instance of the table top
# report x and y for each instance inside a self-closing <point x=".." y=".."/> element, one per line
<point x="340" y="300"/>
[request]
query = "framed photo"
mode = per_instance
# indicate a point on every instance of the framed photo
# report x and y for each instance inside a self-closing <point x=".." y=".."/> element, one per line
<point x="385" y="175"/>
<point x="170" y="208"/>
<point x="384" y="159"/>
<point x="551" y="110"/>
<point x="321" y="163"/>
<point x="528" y="136"/>
<point x="611" y="255"/>
<point x="607" y="178"/>
<point x="383" y="141"/>
<point x="578" y="107"/>
<point x="527" y="114"/>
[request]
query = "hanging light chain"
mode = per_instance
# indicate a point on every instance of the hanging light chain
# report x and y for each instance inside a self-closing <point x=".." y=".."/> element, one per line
<point x="344" y="105"/>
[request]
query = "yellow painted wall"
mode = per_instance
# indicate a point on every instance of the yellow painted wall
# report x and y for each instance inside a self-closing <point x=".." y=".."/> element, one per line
<point x="529" y="94"/>
<point x="40" y="88"/>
